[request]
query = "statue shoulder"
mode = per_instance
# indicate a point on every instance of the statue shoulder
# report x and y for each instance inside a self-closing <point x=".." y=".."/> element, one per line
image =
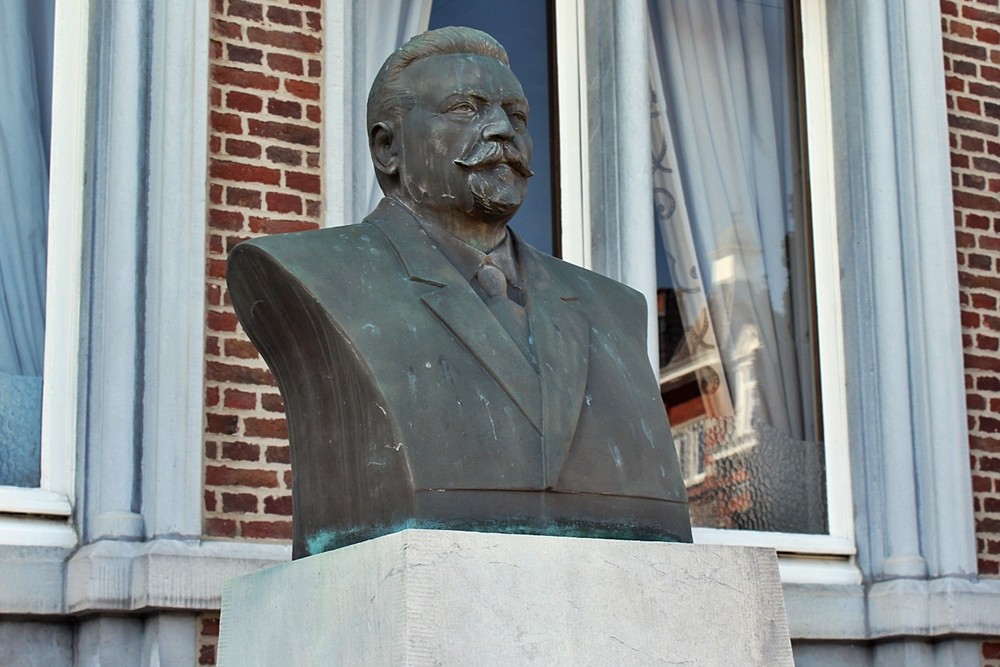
<point x="597" y="290"/>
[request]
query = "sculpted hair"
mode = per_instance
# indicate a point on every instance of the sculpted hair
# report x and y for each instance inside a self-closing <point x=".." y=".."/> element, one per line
<point x="389" y="100"/>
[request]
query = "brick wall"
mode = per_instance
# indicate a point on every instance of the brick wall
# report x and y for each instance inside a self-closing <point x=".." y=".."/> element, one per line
<point x="264" y="177"/>
<point x="972" y="74"/>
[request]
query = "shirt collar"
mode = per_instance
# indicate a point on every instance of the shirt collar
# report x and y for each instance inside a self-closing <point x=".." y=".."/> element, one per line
<point x="467" y="259"/>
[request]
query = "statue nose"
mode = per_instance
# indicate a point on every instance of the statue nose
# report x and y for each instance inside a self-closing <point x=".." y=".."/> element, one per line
<point x="498" y="130"/>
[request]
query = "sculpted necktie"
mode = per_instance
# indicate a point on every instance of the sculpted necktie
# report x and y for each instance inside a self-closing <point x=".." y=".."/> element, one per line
<point x="510" y="314"/>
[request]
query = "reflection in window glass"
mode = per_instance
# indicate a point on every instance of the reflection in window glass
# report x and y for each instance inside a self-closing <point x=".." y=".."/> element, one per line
<point x="25" y="77"/>
<point x="737" y="345"/>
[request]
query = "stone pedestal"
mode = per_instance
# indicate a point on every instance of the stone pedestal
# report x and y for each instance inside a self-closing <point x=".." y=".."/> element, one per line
<point x="424" y="597"/>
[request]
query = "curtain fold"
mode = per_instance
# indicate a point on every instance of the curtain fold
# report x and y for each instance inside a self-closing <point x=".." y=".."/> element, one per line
<point x="25" y="36"/>
<point x="388" y="25"/>
<point x="720" y="76"/>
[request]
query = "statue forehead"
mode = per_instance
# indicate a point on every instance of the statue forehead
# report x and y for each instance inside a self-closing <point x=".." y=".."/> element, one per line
<point x="442" y="75"/>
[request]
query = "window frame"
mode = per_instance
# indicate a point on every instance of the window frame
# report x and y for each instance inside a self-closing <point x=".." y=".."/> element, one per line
<point x="582" y="241"/>
<point x="54" y="497"/>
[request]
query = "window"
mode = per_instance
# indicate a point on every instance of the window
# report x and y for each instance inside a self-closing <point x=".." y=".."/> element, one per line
<point x="759" y="425"/>
<point x="46" y="489"/>
<point x="740" y="298"/>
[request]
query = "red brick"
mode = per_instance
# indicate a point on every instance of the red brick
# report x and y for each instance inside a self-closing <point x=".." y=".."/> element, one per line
<point x="215" y="243"/>
<point x="272" y="403"/>
<point x="221" y="321"/>
<point x="285" y="16"/>
<point x="217" y="268"/>
<point x="240" y="451"/>
<point x="226" y="476"/>
<point x="227" y="29"/>
<point x="242" y="349"/>
<point x="307" y="3"/>
<point x="243" y="198"/>
<point x="960" y="29"/>
<point x="989" y="425"/>
<point x="226" y="122"/>
<point x="984" y="444"/>
<point x="239" y="502"/>
<point x="210" y="626"/>
<point x="233" y="241"/>
<point x="988" y="35"/>
<point x="244" y="101"/>
<point x="315" y="68"/>
<point x="293" y="41"/>
<point x="212" y="348"/>
<point x="312" y="160"/>
<point x="215" y="49"/>
<point x="245" y="400"/>
<point x="983" y="363"/>
<point x="277" y="530"/>
<point x="290" y="132"/>
<point x="973" y="201"/>
<point x="974" y="14"/>
<point x="211" y="393"/>
<point x="227" y="220"/>
<point x="315" y="21"/>
<point x="313" y="208"/>
<point x="215" y="193"/>
<point x="275" y="454"/>
<point x="265" y="428"/>
<point x="215" y="527"/>
<point x="302" y="89"/>
<point x="981" y="484"/>
<point x="281" y="505"/>
<point x="283" y="155"/>
<point x="314" y="113"/>
<point x="247" y="173"/>
<point x="284" y="108"/>
<point x="220" y="372"/>
<point x="244" y="54"/>
<point x="230" y="76"/>
<point x="206" y="655"/>
<point x="214" y="144"/>
<point x="210" y="501"/>
<point x="272" y="226"/>
<point x="247" y="10"/>
<point x="282" y="203"/>
<point x="303" y="182"/>
<point x="221" y="424"/>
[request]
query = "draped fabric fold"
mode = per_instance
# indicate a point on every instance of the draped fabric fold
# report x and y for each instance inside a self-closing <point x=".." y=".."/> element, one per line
<point x="23" y="214"/>
<point x="726" y="190"/>
<point x="388" y="25"/>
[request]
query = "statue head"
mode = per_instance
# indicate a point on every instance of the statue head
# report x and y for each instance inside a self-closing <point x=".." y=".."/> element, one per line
<point x="447" y="129"/>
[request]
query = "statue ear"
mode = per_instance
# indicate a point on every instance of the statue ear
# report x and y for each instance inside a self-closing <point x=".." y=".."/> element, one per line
<point x="384" y="150"/>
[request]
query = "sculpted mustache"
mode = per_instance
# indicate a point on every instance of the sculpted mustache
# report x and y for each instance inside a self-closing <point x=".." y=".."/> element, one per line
<point x="492" y="153"/>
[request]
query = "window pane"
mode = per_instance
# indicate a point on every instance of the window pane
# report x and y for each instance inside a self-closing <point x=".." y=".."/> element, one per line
<point x="737" y="343"/>
<point x="522" y="26"/>
<point x="25" y="77"/>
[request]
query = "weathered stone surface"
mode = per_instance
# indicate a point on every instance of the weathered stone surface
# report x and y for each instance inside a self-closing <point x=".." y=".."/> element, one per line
<point x="423" y="597"/>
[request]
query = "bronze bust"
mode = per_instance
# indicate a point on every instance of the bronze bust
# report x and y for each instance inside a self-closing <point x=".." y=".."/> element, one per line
<point x="438" y="371"/>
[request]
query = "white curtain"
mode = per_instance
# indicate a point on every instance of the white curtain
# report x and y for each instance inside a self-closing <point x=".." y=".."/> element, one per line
<point x="724" y="173"/>
<point x="388" y="25"/>
<point x="25" y="79"/>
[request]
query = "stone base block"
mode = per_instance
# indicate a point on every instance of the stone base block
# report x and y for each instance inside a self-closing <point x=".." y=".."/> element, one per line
<point x="426" y="597"/>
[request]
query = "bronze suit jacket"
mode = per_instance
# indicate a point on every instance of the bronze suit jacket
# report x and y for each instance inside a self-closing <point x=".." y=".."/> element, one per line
<point x="409" y="405"/>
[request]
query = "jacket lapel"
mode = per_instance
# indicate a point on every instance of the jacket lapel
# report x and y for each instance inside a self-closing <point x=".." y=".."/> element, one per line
<point x="561" y="333"/>
<point x="460" y="309"/>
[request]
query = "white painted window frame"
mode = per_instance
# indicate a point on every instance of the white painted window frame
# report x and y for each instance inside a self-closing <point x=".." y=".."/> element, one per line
<point x="54" y="497"/>
<point x="578" y="246"/>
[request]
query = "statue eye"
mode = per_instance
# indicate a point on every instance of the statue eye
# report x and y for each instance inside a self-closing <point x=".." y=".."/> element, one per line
<point x="518" y="118"/>
<point x="463" y="107"/>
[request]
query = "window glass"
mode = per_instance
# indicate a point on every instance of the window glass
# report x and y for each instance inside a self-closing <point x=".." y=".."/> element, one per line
<point x="736" y="317"/>
<point x="26" y="29"/>
<point x="522" y="26"/>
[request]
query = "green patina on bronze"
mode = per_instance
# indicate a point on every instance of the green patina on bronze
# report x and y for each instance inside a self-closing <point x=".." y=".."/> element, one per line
<point x="417" y="397"/>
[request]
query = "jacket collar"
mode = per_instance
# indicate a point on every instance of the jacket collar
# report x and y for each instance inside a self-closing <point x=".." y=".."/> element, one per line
<point x="559" y="328"/>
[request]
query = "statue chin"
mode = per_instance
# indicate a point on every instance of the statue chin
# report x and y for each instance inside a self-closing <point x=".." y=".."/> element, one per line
<point x="497" y="191"/>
